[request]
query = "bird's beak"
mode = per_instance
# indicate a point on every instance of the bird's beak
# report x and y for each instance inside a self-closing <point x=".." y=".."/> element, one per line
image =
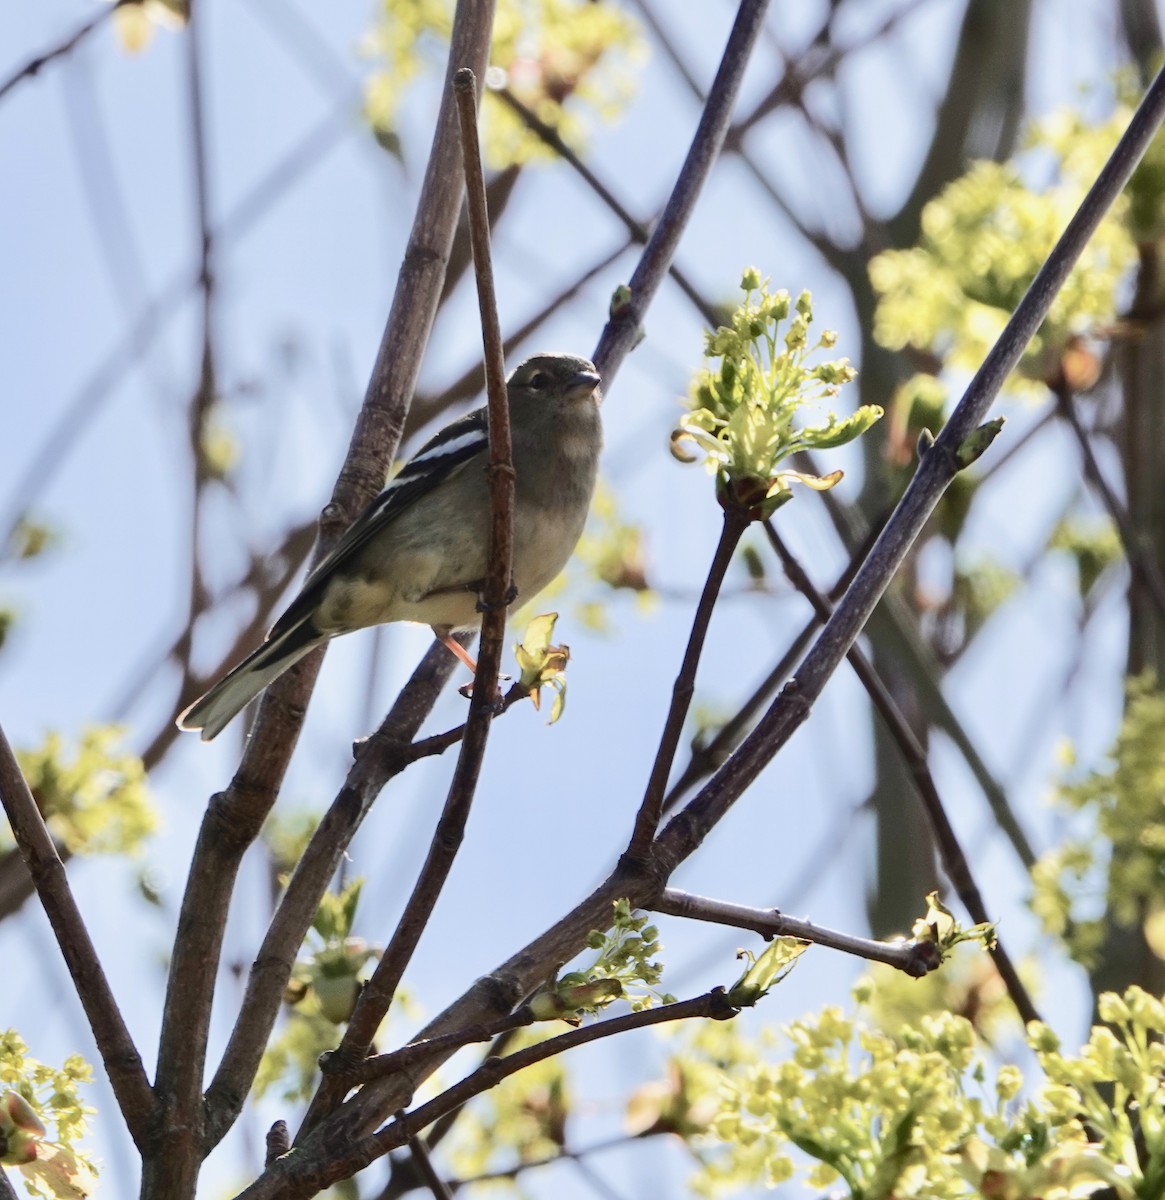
<point x="582" y="384"/>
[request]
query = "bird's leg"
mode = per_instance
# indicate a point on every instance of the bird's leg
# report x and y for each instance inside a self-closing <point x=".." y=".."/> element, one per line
<point x="455" y="647"/>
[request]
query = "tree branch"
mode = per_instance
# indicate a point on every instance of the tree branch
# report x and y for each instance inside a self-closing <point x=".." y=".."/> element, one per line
<point x="916" y="958"/>
<point x="122" y="1062"/>
<point x="34" y="66"/>
<point x="624" y="328"/>
<point x="735" y="522"/>
<point x="377" y="760"/>
<point x="234" y="818"/>
<point x="298" y="1177"/>
<point x="378" y="992"/>
<point x="954" y="859"/>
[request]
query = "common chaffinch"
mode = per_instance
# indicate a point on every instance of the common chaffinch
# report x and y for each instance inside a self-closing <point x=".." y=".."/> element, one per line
<point x="419" y="551"/>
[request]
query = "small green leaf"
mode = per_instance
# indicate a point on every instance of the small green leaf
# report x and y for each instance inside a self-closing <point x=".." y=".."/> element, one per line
<point x="763" y="973"/>
<point x="975" y="444"/>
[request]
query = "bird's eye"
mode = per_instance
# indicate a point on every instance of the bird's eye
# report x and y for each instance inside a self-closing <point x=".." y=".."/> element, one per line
<point x="538" y="380"/>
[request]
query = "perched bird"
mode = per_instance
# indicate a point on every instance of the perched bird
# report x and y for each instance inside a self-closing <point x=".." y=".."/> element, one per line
<point x="419" y="551"/>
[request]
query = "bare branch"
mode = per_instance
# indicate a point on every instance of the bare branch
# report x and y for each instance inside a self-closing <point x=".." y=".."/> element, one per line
<point x="234" y="818"/>
<point x="35" y="65"/>
<point x="123" y="1063"/>
<point x="379" y="1066"/>
<point x="302" y="1176"/>
<point x="916" y="958"/>
<point x="377" y="760"/>
<point x="624" y="328"/>
<point x="954" y="858"/>
<point x="736" y="521"/>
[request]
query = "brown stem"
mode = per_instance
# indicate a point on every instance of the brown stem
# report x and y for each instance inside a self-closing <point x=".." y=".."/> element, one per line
<point x="379" y="1066"/>
<point x="736" y="521"/>
<point x="378" y="759"/>
<point x="916" y="958"/>
<point x="122" y="1062"/>
<point x="378" y="992"/>
<point x="624" y="328"/>
<point x="954" y="858"/>
<point x="235" y="817"/>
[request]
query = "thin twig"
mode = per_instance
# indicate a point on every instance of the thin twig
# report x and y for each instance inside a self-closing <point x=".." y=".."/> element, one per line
<point x="1141" y="562"/>
<point x="735" y="522"/>
<point x="954" y="859"/>
<point x="234" y="818"/>
<point x="379" y="1066"/>
<point x="35" y="65"/>
<point x="936" y="470"/>
<point x="500" y="570"/>
<point x="638" y="231"/>
<point x="438" y="743"/>
<point x="624" y="328"/>
<point x="378" y="992"/>
<point x="424" y="1167"/>
<point x="916" y="958"/>
<point x="123" y="1063"/>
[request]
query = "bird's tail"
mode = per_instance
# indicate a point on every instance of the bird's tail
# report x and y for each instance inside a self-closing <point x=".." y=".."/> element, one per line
<point x="215" y="710"/>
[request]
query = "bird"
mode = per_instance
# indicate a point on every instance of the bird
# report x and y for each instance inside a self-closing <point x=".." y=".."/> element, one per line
<point x="419" y="551"/>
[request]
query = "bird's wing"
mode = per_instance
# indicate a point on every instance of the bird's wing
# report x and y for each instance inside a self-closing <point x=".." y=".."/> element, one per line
<point x="450" y="450"/>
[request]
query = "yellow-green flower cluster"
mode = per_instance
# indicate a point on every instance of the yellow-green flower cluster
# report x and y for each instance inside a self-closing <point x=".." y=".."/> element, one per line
<point x="1118" y="866"/>
<point x="983" y="240"/>
<point x="96" y="803"/>
<point x="745" y="406"/>
<point x="324" y="987"/>
<point x="914" y="1114"/>
<point x="31" y="1094"/>
<point x="1114" y="1087"/>
<point x="623" y="968"/>
<point x="564" y="59"/>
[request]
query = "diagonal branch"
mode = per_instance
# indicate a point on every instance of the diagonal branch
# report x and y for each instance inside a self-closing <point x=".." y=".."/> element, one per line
<point x="122" y="1062"/>
<point x="736" y="521"/>
<point x="34" y="66"/>
<point x="378" y="759"/>
<point x="954" y="858"/>
<point x="297" y="1178"/>
<point x="624" y="328"/>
